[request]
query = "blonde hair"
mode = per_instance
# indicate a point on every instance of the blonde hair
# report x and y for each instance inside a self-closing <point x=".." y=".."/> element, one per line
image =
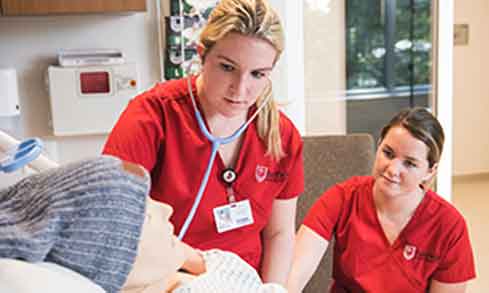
<point x="253" y="18"/>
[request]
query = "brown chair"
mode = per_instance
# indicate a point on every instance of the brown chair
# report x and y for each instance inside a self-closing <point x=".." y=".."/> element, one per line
<point x="328" y="160"/>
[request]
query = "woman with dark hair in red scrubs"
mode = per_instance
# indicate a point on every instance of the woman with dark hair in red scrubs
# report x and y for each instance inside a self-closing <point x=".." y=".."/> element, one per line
<point x="392" y="233"/>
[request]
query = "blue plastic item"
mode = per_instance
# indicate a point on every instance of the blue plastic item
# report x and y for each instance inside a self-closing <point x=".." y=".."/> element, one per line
<point x="21" y="155"/>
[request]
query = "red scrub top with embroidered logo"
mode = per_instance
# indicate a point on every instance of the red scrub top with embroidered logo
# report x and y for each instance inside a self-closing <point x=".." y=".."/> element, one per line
<point x="433" y="245"/>
<point x="159" y="131"/>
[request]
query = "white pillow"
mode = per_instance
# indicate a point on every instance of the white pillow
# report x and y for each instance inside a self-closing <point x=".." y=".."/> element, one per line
<point x="22" y="277"/>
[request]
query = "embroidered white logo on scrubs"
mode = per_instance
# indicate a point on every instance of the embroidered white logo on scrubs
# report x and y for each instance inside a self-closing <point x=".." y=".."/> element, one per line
<point x="409" y="252"/>
<point x="261" y="173"/>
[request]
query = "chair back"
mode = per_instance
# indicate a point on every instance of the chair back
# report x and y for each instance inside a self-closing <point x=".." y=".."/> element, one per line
<point x="331" y="159"/>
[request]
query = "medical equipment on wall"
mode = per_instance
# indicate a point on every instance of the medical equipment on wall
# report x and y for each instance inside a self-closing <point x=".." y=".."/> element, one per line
<point x="90" y="57"/>
<point x="9" y="96"/>
<point x="89" y="99"/>
<point x="216" y="143"/>
<point x="20" y="155"/>
<point x="182" y="31"/>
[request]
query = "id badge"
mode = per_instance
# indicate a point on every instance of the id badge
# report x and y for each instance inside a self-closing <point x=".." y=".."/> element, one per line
<point x="232" y="216"/>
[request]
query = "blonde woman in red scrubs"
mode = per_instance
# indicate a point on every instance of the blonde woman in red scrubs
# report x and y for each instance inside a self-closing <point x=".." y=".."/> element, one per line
<point x="249" y="202"/>
<point x="392" y="233"/>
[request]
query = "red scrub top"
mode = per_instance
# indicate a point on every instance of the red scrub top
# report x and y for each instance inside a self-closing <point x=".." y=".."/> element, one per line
<point x="433" y="245"/>
<point x="159" y="131"/>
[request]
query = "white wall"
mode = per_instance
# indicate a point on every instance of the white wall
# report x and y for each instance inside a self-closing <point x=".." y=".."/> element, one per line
<point x="443" y="68"/>
<point x="325" y="66"/>
<point x="471" y="97"/>
<point x="288" y="76"/>
<point x="29" y="44"/>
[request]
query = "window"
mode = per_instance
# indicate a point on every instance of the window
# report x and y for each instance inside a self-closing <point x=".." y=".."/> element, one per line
<point x="388" y="45"/>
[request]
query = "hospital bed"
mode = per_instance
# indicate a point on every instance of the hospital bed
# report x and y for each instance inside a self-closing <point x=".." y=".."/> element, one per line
<point x="21" y="277"/>
<point x="327" y="159"/>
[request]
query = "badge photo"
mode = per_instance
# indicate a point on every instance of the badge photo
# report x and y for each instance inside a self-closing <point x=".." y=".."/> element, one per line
<point x="233" y="216"/>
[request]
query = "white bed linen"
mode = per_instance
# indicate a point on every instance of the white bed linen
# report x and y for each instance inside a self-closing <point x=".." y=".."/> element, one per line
<point x="22" y="277"/>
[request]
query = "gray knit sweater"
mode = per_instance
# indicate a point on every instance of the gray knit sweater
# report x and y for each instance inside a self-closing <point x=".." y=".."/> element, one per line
<point x="86" y="216"/>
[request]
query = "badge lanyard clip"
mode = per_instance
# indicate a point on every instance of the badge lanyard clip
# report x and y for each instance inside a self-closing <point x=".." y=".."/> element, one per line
<point x="229" y="176"/>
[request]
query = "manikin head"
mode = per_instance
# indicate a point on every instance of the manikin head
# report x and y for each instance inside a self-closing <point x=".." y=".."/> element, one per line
<point x="160" y="254"/>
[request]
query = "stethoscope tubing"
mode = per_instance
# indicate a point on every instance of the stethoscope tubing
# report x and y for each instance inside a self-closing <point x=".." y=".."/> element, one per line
<point x="216" y="143"/>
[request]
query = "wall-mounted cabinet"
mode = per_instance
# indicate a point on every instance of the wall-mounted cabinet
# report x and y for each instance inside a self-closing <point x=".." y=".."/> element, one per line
<point x="53" y="7"/>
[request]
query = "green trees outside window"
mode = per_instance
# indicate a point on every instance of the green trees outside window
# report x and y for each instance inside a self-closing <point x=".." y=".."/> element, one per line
<point x="388" y="44"/>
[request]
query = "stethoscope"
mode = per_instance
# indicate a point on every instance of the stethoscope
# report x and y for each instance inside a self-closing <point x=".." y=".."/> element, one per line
<point x="21" y="155"/>
<point x="216" y="142"/>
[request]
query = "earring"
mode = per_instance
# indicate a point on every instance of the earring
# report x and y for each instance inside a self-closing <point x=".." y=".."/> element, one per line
<point x="424" y="184"/>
